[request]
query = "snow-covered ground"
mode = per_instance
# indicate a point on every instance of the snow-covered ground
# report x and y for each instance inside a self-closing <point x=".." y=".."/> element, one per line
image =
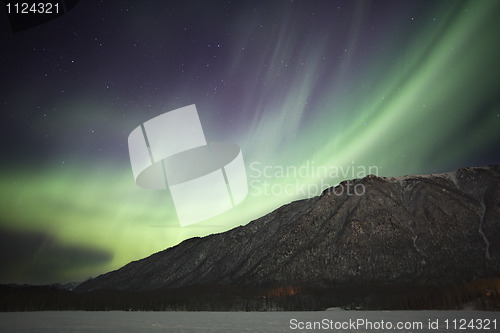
<point x="328" y="321"/>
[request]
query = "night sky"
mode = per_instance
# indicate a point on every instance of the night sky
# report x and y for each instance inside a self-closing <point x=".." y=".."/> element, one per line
<point x="405" y="87"/>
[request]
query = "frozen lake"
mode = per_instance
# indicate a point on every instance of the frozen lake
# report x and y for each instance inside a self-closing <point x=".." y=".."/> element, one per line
<point x="332" y="321"/>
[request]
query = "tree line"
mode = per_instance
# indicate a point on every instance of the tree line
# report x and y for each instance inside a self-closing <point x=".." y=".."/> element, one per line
<point x="480" y="294"/>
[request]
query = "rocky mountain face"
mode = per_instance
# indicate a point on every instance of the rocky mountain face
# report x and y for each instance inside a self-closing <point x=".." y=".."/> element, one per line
<point x="427" y="230"/>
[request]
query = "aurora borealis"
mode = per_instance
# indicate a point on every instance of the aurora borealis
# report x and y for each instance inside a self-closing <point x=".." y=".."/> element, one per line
<point x="404" y="87"/>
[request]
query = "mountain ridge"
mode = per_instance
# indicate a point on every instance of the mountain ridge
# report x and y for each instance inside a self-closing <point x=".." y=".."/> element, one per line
<point x="432" y="229"/>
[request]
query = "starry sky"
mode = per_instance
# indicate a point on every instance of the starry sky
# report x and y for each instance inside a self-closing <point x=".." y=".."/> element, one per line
<point x="404" y="87"/>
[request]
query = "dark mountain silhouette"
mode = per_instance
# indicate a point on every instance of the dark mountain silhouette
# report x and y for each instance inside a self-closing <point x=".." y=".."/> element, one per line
<point x="414" y="230"/>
